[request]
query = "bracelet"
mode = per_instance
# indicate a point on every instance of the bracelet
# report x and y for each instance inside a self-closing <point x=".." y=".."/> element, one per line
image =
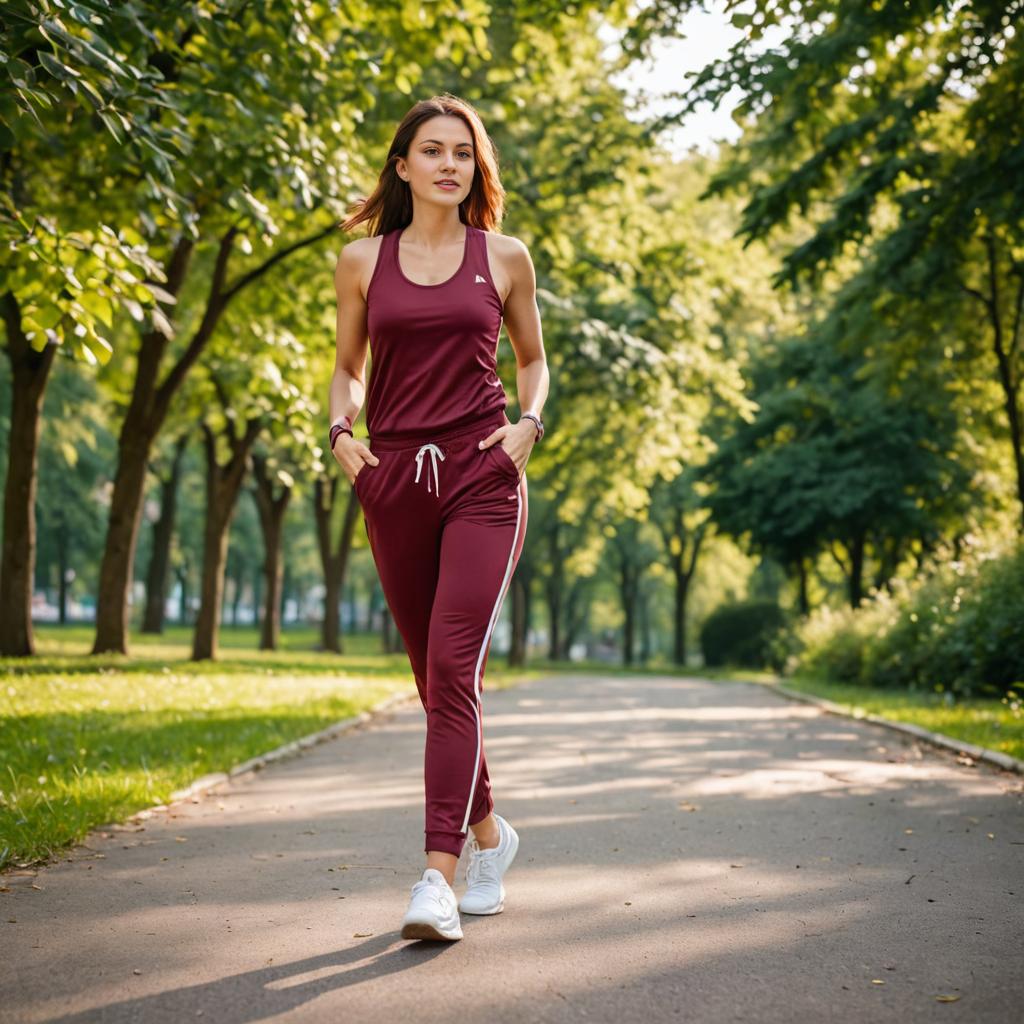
<point x="537" y="422"/>
<point x="340" y="428"/>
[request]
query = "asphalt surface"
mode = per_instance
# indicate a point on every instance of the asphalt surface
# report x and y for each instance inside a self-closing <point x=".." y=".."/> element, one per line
<point x="689" y="851"/>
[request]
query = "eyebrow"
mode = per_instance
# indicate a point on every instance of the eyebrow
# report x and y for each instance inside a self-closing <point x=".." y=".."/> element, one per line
<point x="468" y="145"/>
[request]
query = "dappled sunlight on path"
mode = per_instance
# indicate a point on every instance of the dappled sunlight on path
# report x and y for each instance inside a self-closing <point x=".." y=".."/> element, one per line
<point x="689" y="850"/>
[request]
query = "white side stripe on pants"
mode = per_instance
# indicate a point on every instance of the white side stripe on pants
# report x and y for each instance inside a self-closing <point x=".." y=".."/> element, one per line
<point x="483" y="648"/>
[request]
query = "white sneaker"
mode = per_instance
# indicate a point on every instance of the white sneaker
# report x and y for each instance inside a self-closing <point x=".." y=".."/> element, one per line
<point x="486" y="893"/>
<point x="432" y="912"/>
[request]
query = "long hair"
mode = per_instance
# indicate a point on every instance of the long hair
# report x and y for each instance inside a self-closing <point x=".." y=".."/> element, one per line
<point x="390" y="204"/>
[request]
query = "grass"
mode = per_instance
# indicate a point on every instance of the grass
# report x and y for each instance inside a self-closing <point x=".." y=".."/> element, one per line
<point x="992" y="723"/>
<point x="87" y="740"/>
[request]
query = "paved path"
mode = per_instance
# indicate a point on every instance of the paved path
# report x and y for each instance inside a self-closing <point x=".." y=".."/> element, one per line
<point x="690" y="851"/>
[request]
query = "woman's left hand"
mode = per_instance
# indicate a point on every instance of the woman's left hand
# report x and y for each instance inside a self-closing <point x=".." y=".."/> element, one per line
<point x="517" y="439"/>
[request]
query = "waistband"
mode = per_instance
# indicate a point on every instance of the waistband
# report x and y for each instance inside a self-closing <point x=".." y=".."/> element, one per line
<point x="414" y="439"/>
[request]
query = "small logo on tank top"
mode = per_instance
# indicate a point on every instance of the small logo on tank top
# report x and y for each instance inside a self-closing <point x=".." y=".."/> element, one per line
<point x="479" y="279"/>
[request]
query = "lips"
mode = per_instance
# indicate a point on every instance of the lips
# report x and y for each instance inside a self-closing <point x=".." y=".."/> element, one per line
<point x="447" y="183"/>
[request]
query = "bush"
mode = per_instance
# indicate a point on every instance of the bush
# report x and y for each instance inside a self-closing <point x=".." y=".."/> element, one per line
<point x="742" y="634"/>
<point x="960" y="629"/>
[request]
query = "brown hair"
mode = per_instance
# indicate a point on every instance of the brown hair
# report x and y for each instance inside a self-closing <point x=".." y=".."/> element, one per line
<point x="390" y="204"/>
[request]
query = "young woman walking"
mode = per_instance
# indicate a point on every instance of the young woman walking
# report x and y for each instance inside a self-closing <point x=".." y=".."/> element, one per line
<point x="442" y="482"/>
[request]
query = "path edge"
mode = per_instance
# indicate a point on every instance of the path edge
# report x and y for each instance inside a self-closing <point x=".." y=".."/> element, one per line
<point x="939" y="739"/>
<point x="208" y="783"/>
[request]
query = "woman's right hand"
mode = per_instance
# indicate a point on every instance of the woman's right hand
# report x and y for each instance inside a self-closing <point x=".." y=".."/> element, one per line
<point x="351" y="455"/>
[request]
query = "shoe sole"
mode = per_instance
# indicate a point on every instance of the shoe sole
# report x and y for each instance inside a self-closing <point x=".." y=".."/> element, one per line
<point x="423" y="930"/>
<point x="501" y="901"/>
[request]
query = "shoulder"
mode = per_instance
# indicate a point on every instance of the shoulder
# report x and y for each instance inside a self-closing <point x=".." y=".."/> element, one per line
<point x="356" y="262"/>
<point x="356" y="253"/>
<point x="506" y="246"/>
<point x="510" y="253"/>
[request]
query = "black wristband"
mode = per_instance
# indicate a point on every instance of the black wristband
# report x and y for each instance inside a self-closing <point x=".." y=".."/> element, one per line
<point x="339" y="428"/>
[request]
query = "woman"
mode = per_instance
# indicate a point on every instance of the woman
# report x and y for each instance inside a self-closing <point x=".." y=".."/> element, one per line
<point x="442" y="482"/>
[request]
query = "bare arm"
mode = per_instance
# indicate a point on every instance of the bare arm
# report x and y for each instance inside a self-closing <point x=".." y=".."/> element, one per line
<point x="522" y="319"/>
<point x="348" y="388"/>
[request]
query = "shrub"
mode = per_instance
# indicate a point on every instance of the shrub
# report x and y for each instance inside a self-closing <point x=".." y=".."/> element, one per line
<point x="959" y="629"/>
<point x="742" y="634"/>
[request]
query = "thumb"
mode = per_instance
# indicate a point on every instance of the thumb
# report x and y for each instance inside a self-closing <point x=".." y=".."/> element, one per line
<point x="488" y="440"/>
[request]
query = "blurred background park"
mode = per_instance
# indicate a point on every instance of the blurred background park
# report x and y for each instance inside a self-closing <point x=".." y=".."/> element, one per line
<point x="780" y="269"/>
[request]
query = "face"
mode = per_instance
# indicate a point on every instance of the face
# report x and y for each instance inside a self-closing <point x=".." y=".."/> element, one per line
<point x="442" y="149"/>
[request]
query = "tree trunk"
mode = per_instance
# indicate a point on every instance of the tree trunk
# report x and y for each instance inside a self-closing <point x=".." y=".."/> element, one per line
<point x="62" y="570"/>
<point x="682" y="546"/>
<point x="236" y="594"/>
<point x="30" y="371"/>
<point x="223" y="484"/>
<point x="334" y="561"/>
<point x="857" y="570"/>
<point x="575" y="614"/>
<point x="146" y="415"/>
<point x="257" y="600"/>
<point x="554" y="589"/>
<point x="805" y="604"/>
<point x="182" y="578"/>
<point x="271" y="510"/>
<point x="628" y="594"/>
<point x="520" y="620"/>
<point x="163" y="534"/>
<point x="682" y="591"/>
<point x="644" y="623"/>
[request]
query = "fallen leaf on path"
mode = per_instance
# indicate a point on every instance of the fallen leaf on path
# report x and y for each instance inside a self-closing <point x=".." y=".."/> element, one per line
<point x="361" y="935"/>
<point x="946" y="999"/>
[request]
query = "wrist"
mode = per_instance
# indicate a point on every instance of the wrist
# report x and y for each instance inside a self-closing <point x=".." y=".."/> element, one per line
<point x="535" y="421"/>
<point x="343" y="425"/>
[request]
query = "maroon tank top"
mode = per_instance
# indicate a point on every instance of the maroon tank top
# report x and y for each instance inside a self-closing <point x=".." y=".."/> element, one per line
<point x="433" y="347"/>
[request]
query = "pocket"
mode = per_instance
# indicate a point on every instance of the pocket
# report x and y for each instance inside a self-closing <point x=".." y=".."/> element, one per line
<point x="359" y="477"/>
<point x="506" y="460"/>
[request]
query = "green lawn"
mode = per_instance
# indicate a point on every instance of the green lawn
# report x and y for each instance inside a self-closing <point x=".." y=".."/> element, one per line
<point x="995" y="724"/>
<point x="90" y="740"/>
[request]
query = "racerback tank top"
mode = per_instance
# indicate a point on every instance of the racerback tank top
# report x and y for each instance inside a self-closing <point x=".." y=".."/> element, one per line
<point x="433" y="347"/>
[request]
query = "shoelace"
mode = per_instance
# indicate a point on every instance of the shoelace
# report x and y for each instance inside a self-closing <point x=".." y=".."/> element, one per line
<point x="440" y="893"/>
<point x="483" y="866"/>
<point x="435" y="453"/>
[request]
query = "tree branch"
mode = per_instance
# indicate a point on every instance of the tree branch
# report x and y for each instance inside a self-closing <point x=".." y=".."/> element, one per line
<point x="273" y="260"/>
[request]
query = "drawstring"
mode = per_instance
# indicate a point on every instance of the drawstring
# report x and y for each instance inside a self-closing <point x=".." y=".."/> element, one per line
<point x="434" y="452"/>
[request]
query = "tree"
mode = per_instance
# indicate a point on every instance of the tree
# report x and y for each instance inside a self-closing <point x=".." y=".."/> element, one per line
<point x="894" y="128"/>
<point x="76" y="91"/>
<point x="838" y="460"/>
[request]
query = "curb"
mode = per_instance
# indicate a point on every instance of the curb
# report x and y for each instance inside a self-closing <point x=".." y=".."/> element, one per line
<point x="939" y="739"/>
<point x="207" y="783"/>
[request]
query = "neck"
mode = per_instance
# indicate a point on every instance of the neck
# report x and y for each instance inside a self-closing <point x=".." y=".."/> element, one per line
<point x="434" y="228"/>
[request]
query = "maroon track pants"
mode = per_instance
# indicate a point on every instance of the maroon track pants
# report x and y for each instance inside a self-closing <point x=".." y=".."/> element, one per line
<point x="446" y="522"/>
